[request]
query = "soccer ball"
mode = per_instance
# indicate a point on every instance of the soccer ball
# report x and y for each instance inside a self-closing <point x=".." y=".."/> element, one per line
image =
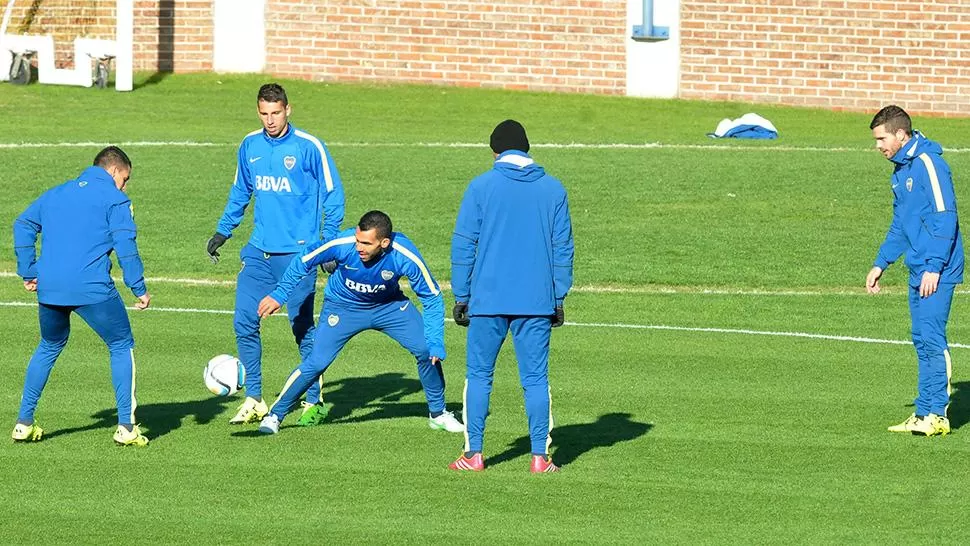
<point x="224" y="375"/>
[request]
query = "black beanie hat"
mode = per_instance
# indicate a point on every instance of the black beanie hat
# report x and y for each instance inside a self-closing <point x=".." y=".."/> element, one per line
<point x="509" y="135"/>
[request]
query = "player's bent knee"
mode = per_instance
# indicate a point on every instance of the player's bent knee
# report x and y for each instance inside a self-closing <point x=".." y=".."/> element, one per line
<point x="121" y="345"/>
<point x="53" y="344"/>
<point x="246" y="326"/>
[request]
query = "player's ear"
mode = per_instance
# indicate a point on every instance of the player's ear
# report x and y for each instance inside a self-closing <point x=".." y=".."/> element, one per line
<point x="289" y="110"/>
<point x="385" y="242"/>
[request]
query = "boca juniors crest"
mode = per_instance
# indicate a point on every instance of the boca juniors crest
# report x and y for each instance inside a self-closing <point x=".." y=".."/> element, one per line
<point x="387" y="275"/>
<point x="332" y="320"/>
<point x="289" y="162"/>
<point x="909" y="184"/>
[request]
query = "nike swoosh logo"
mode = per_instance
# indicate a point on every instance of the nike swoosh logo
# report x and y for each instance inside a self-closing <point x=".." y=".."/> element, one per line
<point x="895" y="185"/>
<point x="405" y="306"/>
<point x="350" y="268"/>
<point x="255" y="159"/>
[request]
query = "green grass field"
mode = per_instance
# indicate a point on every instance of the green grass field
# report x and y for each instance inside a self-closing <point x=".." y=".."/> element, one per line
<point x="678" y="418"/>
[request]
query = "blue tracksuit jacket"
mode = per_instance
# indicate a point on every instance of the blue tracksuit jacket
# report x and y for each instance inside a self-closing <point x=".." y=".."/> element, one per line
<point x="925" y="226"/>
<point x="294" y="182"/>
<point x="512" y="250"/>
<point x="373" y="284"/>
<point x="80" y="222"/>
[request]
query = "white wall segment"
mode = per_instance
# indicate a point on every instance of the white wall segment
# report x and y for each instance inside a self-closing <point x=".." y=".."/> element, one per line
<point x="653" y="68"/>
<point x="239" y="36"/>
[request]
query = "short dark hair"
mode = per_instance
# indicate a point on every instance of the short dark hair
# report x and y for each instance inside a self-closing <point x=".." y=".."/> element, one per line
<point x="272" y="92"/>
<point x="894" y="118"/>
<point x="112" y="156"/>
<point x="379" y="220"/>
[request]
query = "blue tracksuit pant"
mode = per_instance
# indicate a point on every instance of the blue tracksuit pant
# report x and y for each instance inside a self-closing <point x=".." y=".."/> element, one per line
<point x="929" y="316"/>
<point x="340" y="322"/>
<point x="258" y="277"/>
<point x="108" y="319"/>
<point x="530" y="335"/>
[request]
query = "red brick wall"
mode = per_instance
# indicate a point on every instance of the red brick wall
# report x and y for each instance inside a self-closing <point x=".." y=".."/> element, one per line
<point x="550" y="45"/>
<point x="843" y="54"/>
<point x="173" y="35"/>
<point x="169" y="34"/>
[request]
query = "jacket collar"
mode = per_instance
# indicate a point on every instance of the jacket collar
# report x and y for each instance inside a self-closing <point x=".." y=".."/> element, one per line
<point x="287" y="131"/>
<point x="515" y="157"/>
<point x="907" y="151"/>
<point x="96" y="174"/>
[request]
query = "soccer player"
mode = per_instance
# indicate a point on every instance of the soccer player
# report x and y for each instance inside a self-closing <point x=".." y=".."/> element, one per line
<point x="80" y="223"/>
<point x="363" y="294"/>
<point x="511" y="268"/>
<point x="925" y="228"/>
<point x="290" y="176"/>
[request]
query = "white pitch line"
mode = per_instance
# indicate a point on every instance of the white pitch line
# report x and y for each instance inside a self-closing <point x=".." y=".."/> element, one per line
<point x="547" y="145"/>
<point x="137" y="143"/>
<point x="737" y="331"/>
<point x="579" y="289"/>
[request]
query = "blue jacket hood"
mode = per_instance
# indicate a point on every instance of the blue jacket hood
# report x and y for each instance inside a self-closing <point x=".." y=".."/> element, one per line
<point x="518" y="166"/>
<point x="916" y="145"/>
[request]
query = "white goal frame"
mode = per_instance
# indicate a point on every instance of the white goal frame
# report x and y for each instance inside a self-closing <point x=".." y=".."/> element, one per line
<point x="86" y="51"/>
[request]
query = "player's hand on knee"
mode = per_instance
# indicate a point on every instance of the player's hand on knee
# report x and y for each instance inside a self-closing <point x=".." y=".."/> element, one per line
<point x="460" y="314"/>
<point x="267" y="307"/>
<point x="144" y="301"/>
<point x="559" y="318"/>
<point x="30" y="285"/>
<point x="212" y="247"/>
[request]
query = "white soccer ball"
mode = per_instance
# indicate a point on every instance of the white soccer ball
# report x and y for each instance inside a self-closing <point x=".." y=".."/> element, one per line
<point x="224" y="375"/>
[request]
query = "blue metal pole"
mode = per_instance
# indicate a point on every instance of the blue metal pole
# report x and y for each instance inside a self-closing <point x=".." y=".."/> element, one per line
<point x="648" y="17"/>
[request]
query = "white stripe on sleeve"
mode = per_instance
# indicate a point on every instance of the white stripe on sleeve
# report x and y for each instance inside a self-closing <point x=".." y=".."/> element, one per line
<point x="327" y="175"/>
<point x="934" y="182"/>
<point x="330" y="244"/>
<point x="424" y="270"/>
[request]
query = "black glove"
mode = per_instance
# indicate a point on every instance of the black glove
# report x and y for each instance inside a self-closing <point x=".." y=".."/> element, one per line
<point x="559" y="318"/>
<point x="460" y="312"/>
<point x="213" y="245"/>
<point x="329" y="267"/>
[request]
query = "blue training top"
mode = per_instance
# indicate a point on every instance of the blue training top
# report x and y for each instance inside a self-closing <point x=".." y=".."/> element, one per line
<point x="80" y="223"/>
<point x="512" y="250"/>
<point x="296" y="189"/>
<point x="374" y="283"/>
<point x="925" y="226"/>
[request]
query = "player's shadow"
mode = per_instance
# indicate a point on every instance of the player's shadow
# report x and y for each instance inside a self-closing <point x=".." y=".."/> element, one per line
<point x="959" y="410"/>
<point x="569" y="442"/>
<point x="359" y="399"/>
<point x="156" y="420"/>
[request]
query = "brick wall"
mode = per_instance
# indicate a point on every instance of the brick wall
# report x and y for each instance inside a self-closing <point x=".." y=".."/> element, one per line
<point x="169" y="34"/>
<point x="550" y="45"/>
<point x="842" y="54"/>
<point x="845" y="54"/>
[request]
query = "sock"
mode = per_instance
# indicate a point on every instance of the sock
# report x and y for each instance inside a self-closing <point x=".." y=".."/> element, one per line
<point x="129" y="427"/>
<point x="25" y="422"/>
<point x="436" y="414"/>
<point x="470" y="454"/>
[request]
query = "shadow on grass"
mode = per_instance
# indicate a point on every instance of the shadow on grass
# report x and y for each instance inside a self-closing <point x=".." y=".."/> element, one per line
<point x="381" y="393"/>
<point x="569" y="442"/>
<point x="959" y="411"/>
<point x="361" y="399"/>
<point x="154" y="79"/>
<point x="156" y="420"/>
